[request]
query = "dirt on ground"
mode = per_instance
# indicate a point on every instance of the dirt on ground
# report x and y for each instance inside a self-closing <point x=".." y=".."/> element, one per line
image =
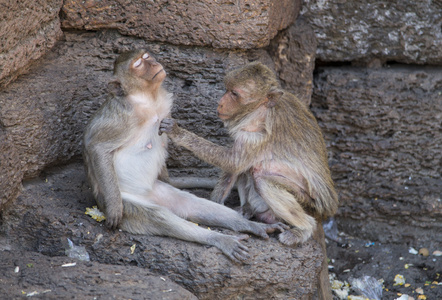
<point x="394" y="270"/>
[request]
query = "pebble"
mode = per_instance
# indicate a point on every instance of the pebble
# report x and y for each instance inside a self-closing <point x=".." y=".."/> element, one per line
<point x="424" y="252"/>
<point x="412" y="251"/>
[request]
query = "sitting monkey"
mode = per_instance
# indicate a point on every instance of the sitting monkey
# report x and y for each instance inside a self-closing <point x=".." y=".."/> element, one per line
<point x="125" y="155"/>
<point x="278" y="159"/>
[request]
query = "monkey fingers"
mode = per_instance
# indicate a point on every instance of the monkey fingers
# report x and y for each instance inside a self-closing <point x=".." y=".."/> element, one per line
<point x="166" y="126"/>
<point x="113" y="218"/>
<point x="281" y="227"/>
<point x="258" y="229"/>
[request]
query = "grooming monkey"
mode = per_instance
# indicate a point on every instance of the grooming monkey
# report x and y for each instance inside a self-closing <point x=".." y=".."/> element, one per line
<point x="125" y="157"/>
<point x="278" y="159"/>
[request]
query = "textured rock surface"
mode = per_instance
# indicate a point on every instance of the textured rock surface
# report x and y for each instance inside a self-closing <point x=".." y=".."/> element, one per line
<point x="219" y="24"/>
<point x="402" y="31"/>
<point x="383" y="129"/>
<point x="11" y="173"/>
<point x="51" y="209"/>
<point x="44" y="277"/>
<point x="294" y="51"/>
<point x="27" y="30"/>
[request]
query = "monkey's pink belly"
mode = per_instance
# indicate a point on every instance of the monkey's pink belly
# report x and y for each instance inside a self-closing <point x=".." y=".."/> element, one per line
<point x="138" y="167"/>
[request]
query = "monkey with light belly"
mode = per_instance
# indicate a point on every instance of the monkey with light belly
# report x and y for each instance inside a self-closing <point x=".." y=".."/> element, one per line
<point x="278" y="159"/>
<point x="125" y="160"/>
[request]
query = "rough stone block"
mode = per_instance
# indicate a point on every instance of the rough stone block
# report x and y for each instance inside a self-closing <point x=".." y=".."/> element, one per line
<point x="52" y="208"/>
<point x="28" y="29"/>
<point x="402" y="31"/>
<point x="293" y="51"/>
<point x="10" y="170"/>
<point x="383" y="129"/>
<point x="218" y="24"/>
<point x="45" y="277"/>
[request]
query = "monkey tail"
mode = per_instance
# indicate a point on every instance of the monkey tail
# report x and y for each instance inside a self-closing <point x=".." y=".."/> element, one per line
<point x="324" y="195"/>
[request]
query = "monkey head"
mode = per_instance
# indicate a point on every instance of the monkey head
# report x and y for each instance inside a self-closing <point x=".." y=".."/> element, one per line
<point x="247" y="88"/>
<point x="138" y="70"/>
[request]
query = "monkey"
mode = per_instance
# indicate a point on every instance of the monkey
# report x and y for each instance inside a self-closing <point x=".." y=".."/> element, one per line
<point x="278" y="159"/>
<point x="125" y="160"/>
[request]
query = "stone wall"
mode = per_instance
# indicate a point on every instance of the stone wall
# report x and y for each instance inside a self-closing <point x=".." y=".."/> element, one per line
<point x="217" y="24"/>
<point x="378" y="99"/>
<point x="400" y="31"/>
<point x="28" y="30"/>
<point x="381" y="121"/>
<point x="43" y="113"/>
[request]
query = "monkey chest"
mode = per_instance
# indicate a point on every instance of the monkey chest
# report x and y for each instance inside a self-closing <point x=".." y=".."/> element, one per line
<point x="139" y="162"/>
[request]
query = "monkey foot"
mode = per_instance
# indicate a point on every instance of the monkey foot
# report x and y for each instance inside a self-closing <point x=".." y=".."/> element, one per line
<point x="293" y="236"/>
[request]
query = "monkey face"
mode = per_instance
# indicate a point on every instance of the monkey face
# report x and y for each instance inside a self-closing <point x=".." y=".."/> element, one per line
<point x="237" y="100"/>
<point x="230" y="103"/>
<point x="145" y="66"/>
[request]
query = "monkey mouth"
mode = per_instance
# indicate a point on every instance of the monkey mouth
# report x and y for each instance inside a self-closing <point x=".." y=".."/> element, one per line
<point x="157" y="74"/>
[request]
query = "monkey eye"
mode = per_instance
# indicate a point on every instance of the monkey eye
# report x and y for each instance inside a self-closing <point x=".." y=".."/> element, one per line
<point x="137" y="63"/>
<point x="235" y="94"/>
<point x="145" y="56"/>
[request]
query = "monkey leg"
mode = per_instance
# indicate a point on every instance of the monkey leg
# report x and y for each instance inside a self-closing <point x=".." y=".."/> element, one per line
<point x="285" y="206"/>
<point x="143" y="217"/>
<point x="252" y="204"/>
<point x="199" y="210"/>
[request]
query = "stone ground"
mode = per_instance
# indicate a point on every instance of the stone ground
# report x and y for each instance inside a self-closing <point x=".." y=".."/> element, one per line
<point x="353" y="258"/>
<point x="36" y="267"/>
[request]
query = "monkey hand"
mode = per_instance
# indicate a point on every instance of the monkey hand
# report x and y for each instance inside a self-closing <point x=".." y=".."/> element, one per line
<point x="168" y="125"/>
<point x="281" y="227"/>
<point x="114" y="216"/>
<point x="261" y="229"/>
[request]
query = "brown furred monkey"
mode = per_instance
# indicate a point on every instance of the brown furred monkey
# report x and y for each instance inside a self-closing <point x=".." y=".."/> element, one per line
<point x="124" y="156"/>
<point x="278" y="159"/>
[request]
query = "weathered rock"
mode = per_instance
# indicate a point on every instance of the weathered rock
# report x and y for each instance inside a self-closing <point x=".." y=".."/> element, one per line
<point x="10" y="170"/>
<point x="28" y="29"/>
<point x="294" y="51"/>
<point x="51" y="209"/>
<point x="402" y="31"/>
<point x="44" y="277"/>
<point x="383" y="129"/>
<point x="218" y="24"/>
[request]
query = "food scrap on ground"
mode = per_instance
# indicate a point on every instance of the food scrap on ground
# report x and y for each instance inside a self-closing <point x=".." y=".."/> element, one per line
<point x="95" y="214"/>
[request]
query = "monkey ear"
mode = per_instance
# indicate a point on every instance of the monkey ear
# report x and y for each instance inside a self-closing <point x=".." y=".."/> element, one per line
<point x="114" y="87"/>
<point x="273" y="96"/>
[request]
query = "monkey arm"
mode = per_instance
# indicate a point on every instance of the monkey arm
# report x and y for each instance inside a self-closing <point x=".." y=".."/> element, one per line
<point x="101" y="163"/>
<point x="231" y="160"/>
<point x="103" y="136"/>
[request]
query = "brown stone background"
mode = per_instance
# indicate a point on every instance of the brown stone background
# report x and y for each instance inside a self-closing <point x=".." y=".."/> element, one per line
<point x="371" y="72"/>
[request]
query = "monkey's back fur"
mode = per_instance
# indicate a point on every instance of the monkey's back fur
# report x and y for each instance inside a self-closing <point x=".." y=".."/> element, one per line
<point x="293" y="122"/>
